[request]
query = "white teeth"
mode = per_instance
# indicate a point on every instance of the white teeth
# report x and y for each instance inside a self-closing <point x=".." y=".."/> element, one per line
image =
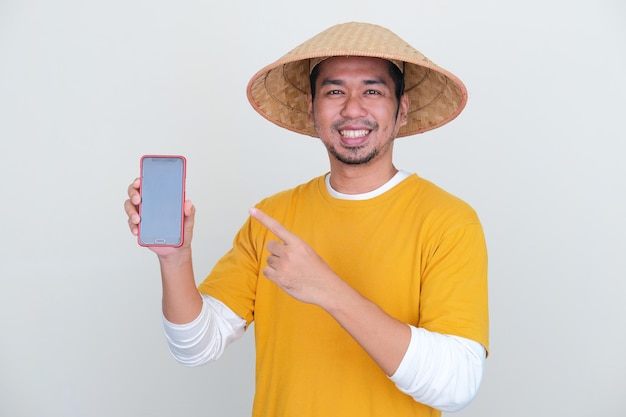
<point x="353" y="133"/>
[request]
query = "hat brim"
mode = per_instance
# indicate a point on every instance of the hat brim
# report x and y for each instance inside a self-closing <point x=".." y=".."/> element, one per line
<point x="279" y="91"/>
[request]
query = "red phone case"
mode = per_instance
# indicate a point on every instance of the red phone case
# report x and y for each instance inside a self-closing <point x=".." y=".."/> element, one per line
<point x="184" y="177"/>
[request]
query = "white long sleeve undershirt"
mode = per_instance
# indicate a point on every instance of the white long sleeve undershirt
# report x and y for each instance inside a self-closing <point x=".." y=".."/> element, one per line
<point x="441" y="371"/>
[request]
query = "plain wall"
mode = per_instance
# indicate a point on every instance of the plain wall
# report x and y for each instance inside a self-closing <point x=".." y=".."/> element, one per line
<point x="86" y="88"/>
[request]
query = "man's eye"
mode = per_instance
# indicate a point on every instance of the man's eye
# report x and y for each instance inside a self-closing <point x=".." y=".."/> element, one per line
<point x="334" y="92"/>
<point x="372" y="92"/>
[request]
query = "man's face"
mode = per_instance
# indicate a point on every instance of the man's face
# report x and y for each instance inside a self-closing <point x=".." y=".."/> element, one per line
<point x="355" y="112"/>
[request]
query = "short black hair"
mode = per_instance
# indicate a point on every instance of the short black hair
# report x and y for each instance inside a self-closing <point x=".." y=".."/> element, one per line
<point x="396" y="75"/>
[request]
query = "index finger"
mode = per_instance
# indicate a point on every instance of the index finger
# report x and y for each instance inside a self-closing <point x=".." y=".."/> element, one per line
<point x="273" y="226"/>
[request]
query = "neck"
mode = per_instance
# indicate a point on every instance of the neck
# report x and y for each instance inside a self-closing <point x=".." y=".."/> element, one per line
<point x="359" y="179"/>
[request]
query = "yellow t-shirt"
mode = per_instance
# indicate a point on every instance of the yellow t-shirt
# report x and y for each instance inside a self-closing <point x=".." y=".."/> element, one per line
<point x="415" y="250"/>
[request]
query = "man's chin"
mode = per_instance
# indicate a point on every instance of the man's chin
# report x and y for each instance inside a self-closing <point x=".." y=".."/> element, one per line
<point x="354" y="158"/>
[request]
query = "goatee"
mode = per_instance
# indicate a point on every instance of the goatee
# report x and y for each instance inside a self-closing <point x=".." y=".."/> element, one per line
<point x="353" y="158"/>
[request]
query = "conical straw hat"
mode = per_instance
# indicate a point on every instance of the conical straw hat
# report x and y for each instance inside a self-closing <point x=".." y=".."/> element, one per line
<point x="279" y="91"/>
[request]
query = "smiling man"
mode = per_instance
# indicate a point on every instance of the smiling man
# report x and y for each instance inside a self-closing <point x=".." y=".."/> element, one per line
<point x="368" y="284"/>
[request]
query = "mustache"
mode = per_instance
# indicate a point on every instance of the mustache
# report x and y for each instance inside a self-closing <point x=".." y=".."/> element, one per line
<point x="340" y="124"/>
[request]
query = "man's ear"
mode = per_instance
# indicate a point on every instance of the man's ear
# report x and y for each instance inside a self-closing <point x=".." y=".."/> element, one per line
<point x="404" y="109"/>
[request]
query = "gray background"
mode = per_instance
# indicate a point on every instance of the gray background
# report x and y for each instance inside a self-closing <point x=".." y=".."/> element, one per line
<point x="86" y="88"/>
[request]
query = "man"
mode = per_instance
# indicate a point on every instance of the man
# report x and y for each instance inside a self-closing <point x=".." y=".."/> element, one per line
<point x="368" y="285"/>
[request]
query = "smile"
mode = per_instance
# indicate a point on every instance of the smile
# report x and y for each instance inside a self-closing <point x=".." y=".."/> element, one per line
<point x="351" y="134"/>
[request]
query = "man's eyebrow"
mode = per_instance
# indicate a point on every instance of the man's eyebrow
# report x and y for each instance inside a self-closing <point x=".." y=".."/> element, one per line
<point x="339" y="82"/>
<point x="375" y="81"/>
<point x="329" y="81"/>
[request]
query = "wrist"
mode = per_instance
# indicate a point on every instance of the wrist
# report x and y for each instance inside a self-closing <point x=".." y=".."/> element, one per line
<point x="175" y="259"/>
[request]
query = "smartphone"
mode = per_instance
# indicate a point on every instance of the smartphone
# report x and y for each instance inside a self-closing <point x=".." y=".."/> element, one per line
<point x="162" y="200"/>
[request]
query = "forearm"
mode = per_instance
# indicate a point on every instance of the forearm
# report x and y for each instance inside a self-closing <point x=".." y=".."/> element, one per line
<point x="181" y="300"/>
<point x="383" y="337"/>
<point x="438" y="370"/>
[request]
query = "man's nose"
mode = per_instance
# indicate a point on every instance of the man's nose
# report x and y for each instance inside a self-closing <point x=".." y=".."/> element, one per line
<point x="353" y="107"/>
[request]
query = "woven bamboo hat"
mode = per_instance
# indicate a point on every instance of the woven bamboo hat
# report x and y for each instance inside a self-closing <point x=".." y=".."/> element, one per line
<point x="279" y="91"/>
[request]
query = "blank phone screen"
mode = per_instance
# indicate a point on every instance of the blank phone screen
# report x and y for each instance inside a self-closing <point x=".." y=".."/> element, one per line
<point x="162" y="199"/>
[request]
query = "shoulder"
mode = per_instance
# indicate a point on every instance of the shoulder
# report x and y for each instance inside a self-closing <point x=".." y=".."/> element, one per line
<point x="432" y="199"/>
<point x="283" y="199"/>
